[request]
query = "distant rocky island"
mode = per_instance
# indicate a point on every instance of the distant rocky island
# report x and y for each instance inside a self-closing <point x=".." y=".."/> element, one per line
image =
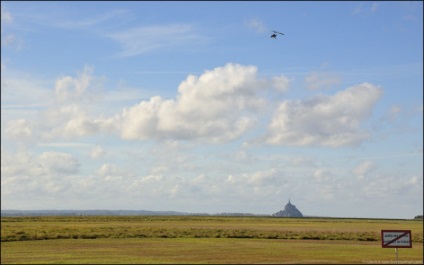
<point x="289" y="211"/>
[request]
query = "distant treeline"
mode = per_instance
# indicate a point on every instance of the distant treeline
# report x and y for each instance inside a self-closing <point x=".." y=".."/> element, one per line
<point x="111" y="212"/>
<point x="88" y="212"/>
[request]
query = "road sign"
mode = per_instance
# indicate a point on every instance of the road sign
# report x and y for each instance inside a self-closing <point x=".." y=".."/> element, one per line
<point x="396" y="239"/>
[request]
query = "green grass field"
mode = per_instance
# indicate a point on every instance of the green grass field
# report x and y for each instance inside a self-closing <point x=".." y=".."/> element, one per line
<point x="140" y="239"/>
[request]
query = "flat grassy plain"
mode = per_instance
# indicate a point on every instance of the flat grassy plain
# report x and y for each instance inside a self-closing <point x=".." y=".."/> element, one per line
<point x="202" y="239"/>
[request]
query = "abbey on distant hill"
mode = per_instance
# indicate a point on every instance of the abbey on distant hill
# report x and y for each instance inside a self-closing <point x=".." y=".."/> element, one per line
<point x="289" y="211"/>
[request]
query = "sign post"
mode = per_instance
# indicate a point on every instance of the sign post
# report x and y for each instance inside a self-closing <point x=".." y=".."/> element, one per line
<point x="397" y="253"/>
<point x="396" y="239"/>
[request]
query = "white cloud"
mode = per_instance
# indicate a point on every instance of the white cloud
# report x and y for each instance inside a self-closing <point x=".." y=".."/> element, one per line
<point x="258" y="178"/>
<point x="360" y="8"/>
<point x="97" y="152"/>
<point x="25" y="174"/>
<point x="80" y="126"/>
<point x="318" y="80"/>
<point x="9" y="39"/>
<point x="256" y="25"/>
<point x="67" y="122"/>
<point x="83" y="87"/>
<point x="66" y="144"/>
<point x="364" y="169"/>
<point x="70" y="114"/>
<point x="324" y="120"/>
<point x="84" y="23"/>
<point x="55" y="162"/>
<point x="219" y="106"/>
<point x="281" y="83"/>
<point x="6" y="17"/>
<point x="303" y="162"/>
<point x="390" y="187"/>
<point x="69" y="117"/>
<point x="140" y="40"/>
<point x="323" y="176"/>
<point x="18" y="129"/>
<point x="108" y="170"/>
<point x="394" y="112"/>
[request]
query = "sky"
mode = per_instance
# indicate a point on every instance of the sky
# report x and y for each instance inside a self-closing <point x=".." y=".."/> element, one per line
<point x="192" y="107"/>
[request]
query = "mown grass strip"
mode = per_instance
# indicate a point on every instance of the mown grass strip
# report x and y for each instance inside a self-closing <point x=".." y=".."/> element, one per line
<point x="202" y="251"/>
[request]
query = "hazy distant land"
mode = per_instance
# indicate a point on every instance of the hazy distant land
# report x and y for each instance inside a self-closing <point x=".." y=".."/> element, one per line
<point x="111" y="212"/>
<point x="16" y="213"/>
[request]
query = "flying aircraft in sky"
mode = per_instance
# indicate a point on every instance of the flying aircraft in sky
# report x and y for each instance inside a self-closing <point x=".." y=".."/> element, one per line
<point x="274" y="35"/>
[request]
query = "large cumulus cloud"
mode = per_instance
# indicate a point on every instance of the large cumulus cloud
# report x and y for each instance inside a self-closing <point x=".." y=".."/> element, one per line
<point x="219" y="105"/>
<point x="324" y="120"/>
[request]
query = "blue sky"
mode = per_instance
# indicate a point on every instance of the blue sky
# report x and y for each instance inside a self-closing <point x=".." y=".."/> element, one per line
<point x="191" y="106"/>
